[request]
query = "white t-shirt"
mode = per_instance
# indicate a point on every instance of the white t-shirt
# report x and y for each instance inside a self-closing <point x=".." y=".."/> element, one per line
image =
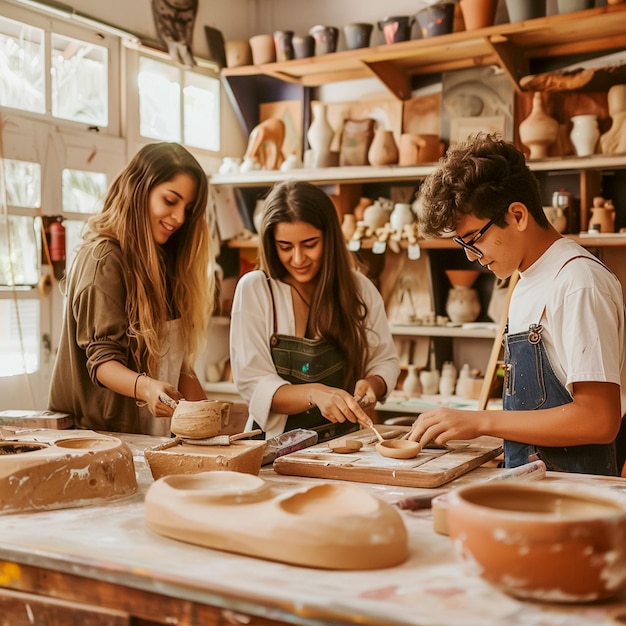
<point x="583" y="320"/>
<point x="252" y="325"/>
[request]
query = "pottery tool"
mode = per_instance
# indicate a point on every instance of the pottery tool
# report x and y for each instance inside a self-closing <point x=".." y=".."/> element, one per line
<point x="536" y="470"/>
<point x="220" y="440"/>
<point x="377" y="433"/>
<point x="288" y="442"/>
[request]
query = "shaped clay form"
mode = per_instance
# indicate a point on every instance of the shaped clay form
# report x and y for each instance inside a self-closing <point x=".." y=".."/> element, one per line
<point x="332" y="526"/>
<point x="200" y="419"/>
<point x="398" y="448"/>
<point x="54" y="469"/>
<point x="345" y="445"/>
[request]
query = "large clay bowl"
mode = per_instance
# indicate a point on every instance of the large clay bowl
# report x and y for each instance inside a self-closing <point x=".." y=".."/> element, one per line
<point x="543" y="542"/>
<point x="462" y="278"/>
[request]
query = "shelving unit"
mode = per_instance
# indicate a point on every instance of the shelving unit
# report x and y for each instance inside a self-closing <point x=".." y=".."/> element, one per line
<point x="520" y="49"/>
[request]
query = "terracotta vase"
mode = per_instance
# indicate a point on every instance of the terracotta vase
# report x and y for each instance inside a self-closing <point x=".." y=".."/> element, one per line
<point x="602" y="215"/>
<point x="538" y="131"/>
<point x="585" y="134"/>
<point x="383" y="150"/>
<point x="478" y="13"/>
<point x="320" y="136"/>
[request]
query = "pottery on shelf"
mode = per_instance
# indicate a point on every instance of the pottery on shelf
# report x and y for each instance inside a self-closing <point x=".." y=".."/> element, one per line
<point x="325" y="39"/>
<point x="478" y="13"/>
<point x="462" y="278"/>
<point x="283" y="43"/>
<point x="538" y="131"/>
<point x="462" y="304"/>
<point x="383" y="150"/>
<point x="303" y="46"/>
<point x="401" y="216"/>
<point x="320" y="136"/>
<point x="436" y="19"/>
<point x="568" y="6"/>
<point x="357" y="35"/>
<point x="585" y="134"/>
<point x="396" y="28"/>
<point x="263" y="49"/>
<point x="602" y="215"/>
<point x="412" y="385"/>
<point x="238" y="53"/>
<point x="521" y="10"/>
<point x="614" y="139"/>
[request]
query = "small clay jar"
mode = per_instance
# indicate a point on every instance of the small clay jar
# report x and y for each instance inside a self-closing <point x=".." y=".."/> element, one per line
<point x="238" y="53"/>
<point x="478" y="13"/>
<point x="383" y="150"/>
<point x="303" y="46"/>
<point x="283" y="43"/>
<point x="436" y="19"/>
<point x="325" y="39"/>
<point x="357" y="35"/>
<point x="396" y="28"/>
<point x="263" y="50"/>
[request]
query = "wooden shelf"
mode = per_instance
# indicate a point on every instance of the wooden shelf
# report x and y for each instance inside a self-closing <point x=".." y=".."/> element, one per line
<point x="484" y="331"/>
<point x="512" y="46"/>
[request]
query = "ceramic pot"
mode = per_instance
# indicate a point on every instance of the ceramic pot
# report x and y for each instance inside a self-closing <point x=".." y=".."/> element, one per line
<point x="462" y="305"/>
<point x="283" y="44"/>
<point x="447" y="381"/>
<point x="540" y="541"/>
<point x="320" y="136"/>
<point x="436" y="19"/>
<point x="396" y="28"/>
<point x="401" y="216"/>
<point x="585" y="134"/>
<point x="238" y="53"/>
<point x="303" y="46"/>
<point x="520" y="11"/>
<point x="376" y="215"/>
<point x="478" y="13"/>
<point x="430" y="382"/>
<point x="263" y="50"/>
<point x="568" y="6"/>
<point x="412" y="385"/>
<point x="602" y="215"/>
<point x="348" y="226"/>
<point x="538" y="131"/>
<point x="383" y="150"/>
<point x="325" y="39"/>
<point x="357" y="35"/>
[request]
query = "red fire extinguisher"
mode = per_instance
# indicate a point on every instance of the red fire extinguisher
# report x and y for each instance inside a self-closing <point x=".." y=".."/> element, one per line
<point x="57" y="241"/>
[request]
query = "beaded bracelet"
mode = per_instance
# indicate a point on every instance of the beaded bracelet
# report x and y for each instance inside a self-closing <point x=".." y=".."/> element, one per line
<point x="139" y="403"/>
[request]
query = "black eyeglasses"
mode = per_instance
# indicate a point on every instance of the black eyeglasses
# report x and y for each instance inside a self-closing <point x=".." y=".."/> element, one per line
<point x="469" y="245"/>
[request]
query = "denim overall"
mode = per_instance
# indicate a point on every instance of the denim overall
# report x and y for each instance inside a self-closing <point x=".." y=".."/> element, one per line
<point x="529" y="384"/>
<point x="300" y="360"/>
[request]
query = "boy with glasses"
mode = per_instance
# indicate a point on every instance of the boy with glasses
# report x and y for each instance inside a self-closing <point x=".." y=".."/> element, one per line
<point x="565" y="376"/>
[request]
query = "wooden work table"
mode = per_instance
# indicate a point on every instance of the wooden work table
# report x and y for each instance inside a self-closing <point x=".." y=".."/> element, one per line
<point x="100" y="565"/>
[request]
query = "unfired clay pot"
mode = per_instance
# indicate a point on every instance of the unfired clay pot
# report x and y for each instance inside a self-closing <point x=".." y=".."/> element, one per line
<point x="538" y="131"/>
<point x="554" y="543"/>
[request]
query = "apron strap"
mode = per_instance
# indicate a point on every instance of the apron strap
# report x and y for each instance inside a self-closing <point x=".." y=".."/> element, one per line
<point x="269" y="286"/>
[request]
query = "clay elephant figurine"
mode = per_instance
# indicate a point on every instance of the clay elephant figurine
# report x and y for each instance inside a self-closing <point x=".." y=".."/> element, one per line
<point x="265" y="144"/>
<point x="419" y="148"/>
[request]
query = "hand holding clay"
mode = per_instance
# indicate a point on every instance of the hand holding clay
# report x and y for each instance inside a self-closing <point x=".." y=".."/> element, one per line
<point x="444" y="424"/>
<point x="160" y="397"/>
<point x="337" y="405"/>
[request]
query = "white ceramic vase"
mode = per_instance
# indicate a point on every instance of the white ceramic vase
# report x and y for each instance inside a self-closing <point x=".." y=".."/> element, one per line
<point x="585" y="134"/>
<point x="462" y="305"/>
<point x="412" y="386"/>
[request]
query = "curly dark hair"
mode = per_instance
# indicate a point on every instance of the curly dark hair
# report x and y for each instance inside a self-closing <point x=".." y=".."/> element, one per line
<point x="480" y="176"/>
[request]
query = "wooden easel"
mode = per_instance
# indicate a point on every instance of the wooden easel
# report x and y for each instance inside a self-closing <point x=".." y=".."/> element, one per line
<point x="492" y="364"/>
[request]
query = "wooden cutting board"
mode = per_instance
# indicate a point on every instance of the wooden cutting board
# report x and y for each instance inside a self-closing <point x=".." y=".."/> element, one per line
<point x="431" y="468"/>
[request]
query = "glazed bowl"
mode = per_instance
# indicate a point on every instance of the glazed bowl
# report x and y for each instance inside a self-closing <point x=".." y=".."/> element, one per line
<point x="555" y="543"/>
<point x="462" y="278"/>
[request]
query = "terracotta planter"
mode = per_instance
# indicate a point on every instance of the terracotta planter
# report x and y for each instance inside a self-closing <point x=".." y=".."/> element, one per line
<point x="478" y="13"/>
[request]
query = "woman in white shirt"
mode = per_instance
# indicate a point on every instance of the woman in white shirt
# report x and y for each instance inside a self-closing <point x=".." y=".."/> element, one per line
<point x="310" y="341"/>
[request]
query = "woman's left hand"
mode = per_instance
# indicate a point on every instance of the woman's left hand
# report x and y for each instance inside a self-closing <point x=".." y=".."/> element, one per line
<point x="337" y="405"/>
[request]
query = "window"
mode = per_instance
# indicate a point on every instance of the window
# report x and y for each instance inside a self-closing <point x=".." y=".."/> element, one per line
<point x="177" y="104"/>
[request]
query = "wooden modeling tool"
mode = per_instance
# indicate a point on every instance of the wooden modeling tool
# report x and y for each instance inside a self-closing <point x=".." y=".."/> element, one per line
<point x="220" y="440"/>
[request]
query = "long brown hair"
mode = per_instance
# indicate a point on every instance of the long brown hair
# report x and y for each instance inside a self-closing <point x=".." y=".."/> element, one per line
<point x="163" y="282"/>
<point x="337" y="307"/>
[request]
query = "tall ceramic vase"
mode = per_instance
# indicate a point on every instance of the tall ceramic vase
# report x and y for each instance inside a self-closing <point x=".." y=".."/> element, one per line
<point x="320" y="136"/>
<point x="538" y="131"/>
<point x="585" y="134"/>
